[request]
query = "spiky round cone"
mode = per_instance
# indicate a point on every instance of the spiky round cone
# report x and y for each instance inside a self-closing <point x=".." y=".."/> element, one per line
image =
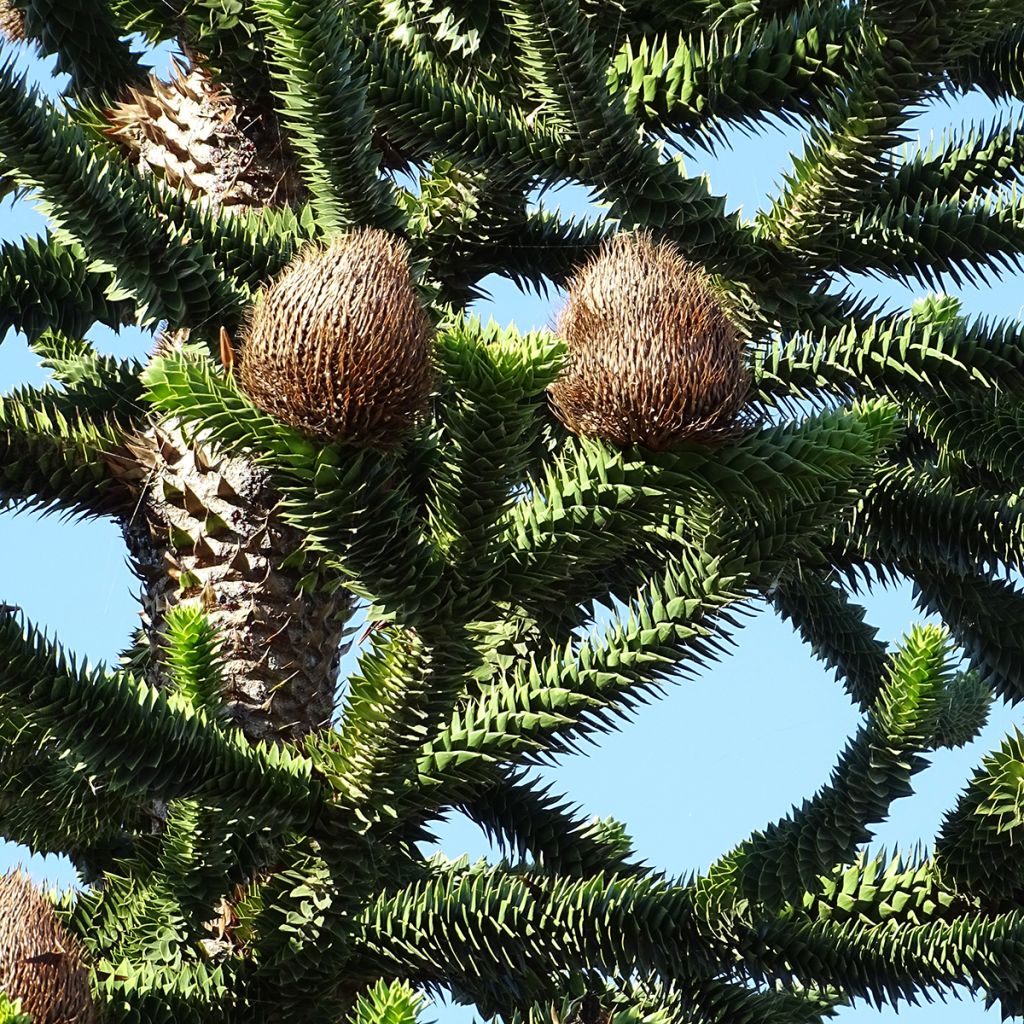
<point x="40" y="963"/>
<point x="339" y="345"/>
<point x="652" y="357"/>
<point x="12" y="22"/>
<point x="190" y="133"/>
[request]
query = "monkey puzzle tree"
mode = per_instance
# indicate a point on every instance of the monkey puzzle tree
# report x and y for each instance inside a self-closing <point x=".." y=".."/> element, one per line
<point x="547" y="528"/>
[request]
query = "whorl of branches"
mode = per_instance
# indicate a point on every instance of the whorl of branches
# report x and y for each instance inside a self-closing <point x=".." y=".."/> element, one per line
<point x="653" y="358"/>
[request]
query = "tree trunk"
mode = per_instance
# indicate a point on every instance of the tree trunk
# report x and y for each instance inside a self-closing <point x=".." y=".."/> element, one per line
<point x="205" y="527"/>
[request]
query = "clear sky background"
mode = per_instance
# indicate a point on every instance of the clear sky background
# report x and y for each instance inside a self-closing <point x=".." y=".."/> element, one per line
<point x="692" y="774"/>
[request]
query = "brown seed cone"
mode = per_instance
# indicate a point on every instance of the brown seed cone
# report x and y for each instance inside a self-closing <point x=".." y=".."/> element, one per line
<point x="12" y="22"/>
<point x="652" y="356"/>
<point x="192" y="134"/>
<point x="339" y="345"/>
<point x="40" y="962"/>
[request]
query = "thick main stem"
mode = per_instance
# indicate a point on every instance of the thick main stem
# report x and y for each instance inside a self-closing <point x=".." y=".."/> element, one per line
<point x="206" y="527"/>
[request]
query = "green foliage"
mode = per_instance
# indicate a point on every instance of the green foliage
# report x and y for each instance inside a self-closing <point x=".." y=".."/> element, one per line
<point x="10" y="1013"/>
<point x="192" y="658"/>
<point x="783" y="862"/>
<point x="526" y="590"/>
<point x="87" y="41"/>
<point x="57" y="456"/>
<point x="143" y="743"/>
<point x="394" y="1003"/>
<point x="46" y="285"/>
<point x="323" y="98"/>
<point x="836" y="631"/>
<point x="98" y="204"/>
<point x="525" y="818"/>
<point x="975" y="849"/>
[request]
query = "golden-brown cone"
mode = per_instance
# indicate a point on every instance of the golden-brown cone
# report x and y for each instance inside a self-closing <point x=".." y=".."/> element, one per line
<point x="653" y="359"/>
<point x="339" y="345"/>
<point x="12" y="22"/>
<point x="40" y="963"/>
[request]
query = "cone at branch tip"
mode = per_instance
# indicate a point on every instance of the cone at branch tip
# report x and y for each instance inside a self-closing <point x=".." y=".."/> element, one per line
<point x="41" y="964"/>
<point x="653" y="358"/>
<point x="339" y="345"/>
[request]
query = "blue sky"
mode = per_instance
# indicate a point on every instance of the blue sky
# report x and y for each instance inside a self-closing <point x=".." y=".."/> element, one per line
<point x="692" y="774"/>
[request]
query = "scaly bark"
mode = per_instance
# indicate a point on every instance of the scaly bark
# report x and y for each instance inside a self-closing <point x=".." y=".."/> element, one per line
<point x="206" y="526"/>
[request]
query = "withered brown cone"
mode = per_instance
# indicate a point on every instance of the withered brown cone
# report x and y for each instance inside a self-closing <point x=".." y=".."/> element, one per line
<point x="40" y="962"/>
<point x="12" y="22"/>
<point x="339" y="344"/>
<point x="653" y="359"/>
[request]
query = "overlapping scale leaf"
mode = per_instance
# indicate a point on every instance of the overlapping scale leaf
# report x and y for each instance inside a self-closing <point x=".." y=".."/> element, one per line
<point x="45" y="284"/>
<point x="781" y="67"/>
<point x="964" y="710"/>
<point x="322" y="93"/>
<point x="303" y="918"/>
<point x="52" y="803"/>
<point x="671" y="623"/>
<point x="994" y="66"/>
<point x="389" y="711"/>
<point x="384" y="1003"/>
<point x="836" y="631"/>
<point x="972" y="242"/>
<point x="978" y="847"/>
<point x="887" y="964"/>
<point x="95" y="201"/>
<point x="199" y="993"/>
<point x="555" y="53"/>
<point x="135" y="917"/>
<point x="469" y="223"/>
<point x="142" y="742"/>
<point x="454" y="31"/>
<point x="224" y="32"/>
<point x="894" y="356"/>
<point x="846" y="157"/>
<point x="984" y="615"/>
<point x="594" y="505"/>
<point x="984" y="429"/>
<point x="781" y="863"/>
<point x="516" y="933"/>
<point x="961" y="163"/>
<point x="527" y="818"/>
<point x="193" y="658"/>
<point x="88" y="43"/>
<point x="58" y="457"/>
<point x="10" y="1012"/>
<point x="918" y="515"/>
<point x="491" y="409"/>
<point x="879" y="890"/>
<point x="688" y="998"/>
<point x="354" y="507"/>
<point x="424" y="111"/>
